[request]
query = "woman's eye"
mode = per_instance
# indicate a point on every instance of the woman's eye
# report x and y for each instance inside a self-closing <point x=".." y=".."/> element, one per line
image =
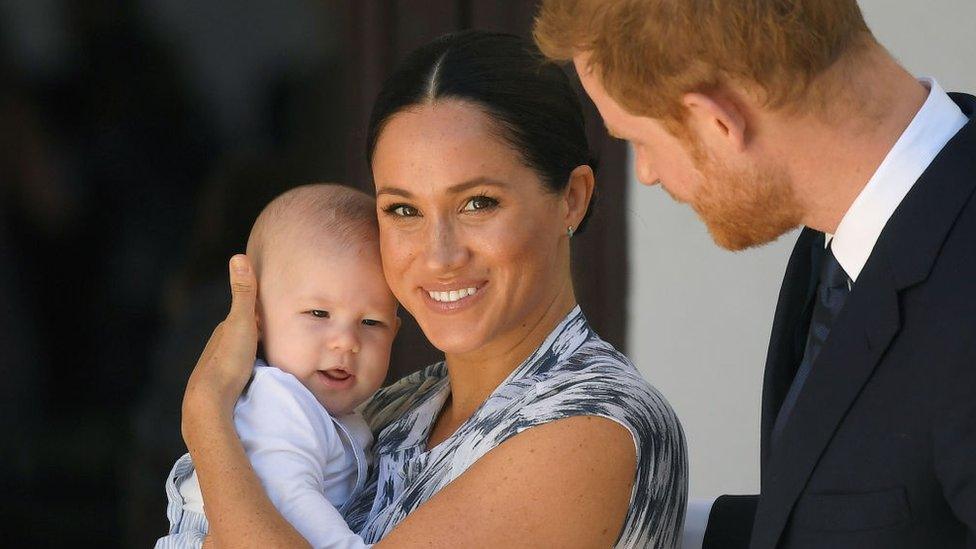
<point x="479" y="203"/>
<point x="401" y="210"/>
<point x="319" y="313"/>
<point x="371" y="322"/>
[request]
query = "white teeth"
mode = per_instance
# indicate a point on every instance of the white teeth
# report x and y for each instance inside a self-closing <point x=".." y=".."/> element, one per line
<point x="452" y="296"/>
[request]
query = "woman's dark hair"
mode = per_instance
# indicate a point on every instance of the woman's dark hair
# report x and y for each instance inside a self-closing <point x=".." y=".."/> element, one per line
<point x="530" y="99"/>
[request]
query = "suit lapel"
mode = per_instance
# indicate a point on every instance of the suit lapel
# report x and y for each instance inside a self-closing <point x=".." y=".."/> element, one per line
<point x="790" y="320"/>
<point x="903" y="257"/>
<point x="858" y="339"/>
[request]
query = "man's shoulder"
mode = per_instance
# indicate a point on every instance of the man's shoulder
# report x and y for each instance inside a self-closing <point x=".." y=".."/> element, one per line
<point x="955" y="257"/>
<point x="954" y="266"/>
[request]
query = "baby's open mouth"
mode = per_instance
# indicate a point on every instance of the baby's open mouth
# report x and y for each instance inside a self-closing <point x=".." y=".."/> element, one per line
<point x="337" y="374"/>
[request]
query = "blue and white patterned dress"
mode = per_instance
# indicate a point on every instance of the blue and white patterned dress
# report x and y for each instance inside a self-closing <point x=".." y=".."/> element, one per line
<point x="573" y="373"/>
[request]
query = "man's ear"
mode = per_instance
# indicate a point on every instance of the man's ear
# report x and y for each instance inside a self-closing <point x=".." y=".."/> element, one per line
<point x="577" y="195"/>
<point x="717" y="120"/>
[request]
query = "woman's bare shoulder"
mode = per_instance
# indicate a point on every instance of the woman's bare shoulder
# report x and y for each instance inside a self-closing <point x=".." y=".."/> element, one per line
<point x="566" y="483"/>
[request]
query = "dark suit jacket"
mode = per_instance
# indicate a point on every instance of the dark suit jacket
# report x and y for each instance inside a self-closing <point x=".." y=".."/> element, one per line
<point x="880" y="449"/>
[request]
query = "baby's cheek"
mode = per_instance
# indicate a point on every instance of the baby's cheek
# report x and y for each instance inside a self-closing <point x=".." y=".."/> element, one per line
<point x="375" y="365"/>
<point x="293" y="355"/>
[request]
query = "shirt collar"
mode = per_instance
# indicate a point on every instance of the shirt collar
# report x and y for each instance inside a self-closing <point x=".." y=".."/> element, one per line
<point x="932" y="127"/>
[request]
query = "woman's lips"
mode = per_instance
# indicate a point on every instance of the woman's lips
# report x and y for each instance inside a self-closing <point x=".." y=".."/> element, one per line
<point x="452" y="295"/>
<point x="452" y="299"/>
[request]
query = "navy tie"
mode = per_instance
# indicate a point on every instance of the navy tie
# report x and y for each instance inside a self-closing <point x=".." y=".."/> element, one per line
<point x="832" y="291"/>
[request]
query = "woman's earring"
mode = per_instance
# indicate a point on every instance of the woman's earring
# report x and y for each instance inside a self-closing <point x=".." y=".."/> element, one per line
<point x="570" y="231"/>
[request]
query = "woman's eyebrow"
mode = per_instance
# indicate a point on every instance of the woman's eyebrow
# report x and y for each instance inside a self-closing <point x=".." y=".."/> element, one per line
<point x="475" y="182"/>
<point x="454" y="189"/>
<point x="394" y="191"/>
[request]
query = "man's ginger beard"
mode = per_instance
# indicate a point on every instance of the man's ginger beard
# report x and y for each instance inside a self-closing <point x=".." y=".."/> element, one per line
<point x="743" y="208"/>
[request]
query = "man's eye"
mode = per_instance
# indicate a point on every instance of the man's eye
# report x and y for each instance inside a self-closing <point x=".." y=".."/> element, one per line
<point x="319" y="313"/>
<point x="371" y="322"/>
<point x="479" y="203"/>
<point x="401" y="210"/>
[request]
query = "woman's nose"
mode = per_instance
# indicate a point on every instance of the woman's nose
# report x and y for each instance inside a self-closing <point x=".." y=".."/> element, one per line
<point x="445" y="253"/>
<point x="344" y="339"/>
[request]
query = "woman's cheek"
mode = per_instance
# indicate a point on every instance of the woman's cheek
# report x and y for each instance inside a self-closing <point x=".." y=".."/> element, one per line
<point x="400" y="243"/>
<point x="507" y="240"/>
<point x="392" y="252"/>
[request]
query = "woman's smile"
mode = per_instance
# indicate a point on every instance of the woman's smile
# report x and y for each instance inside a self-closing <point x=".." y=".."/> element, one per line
<point x="454" y="297"/>
<point x="448" y="228"/>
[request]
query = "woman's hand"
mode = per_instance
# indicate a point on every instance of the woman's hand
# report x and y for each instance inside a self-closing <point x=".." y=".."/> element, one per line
<point x="238" y="509"/>
<point x="226" y="363"/>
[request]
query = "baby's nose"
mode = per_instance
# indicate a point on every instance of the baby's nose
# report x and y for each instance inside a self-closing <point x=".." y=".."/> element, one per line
<point x="345" y="340"/>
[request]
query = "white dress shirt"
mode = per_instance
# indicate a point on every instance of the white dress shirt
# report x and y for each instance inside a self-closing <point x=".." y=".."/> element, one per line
<point x="933" y="126"/>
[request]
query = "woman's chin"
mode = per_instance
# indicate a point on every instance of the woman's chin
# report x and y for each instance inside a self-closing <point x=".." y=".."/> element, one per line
<point x="451" y="341"/>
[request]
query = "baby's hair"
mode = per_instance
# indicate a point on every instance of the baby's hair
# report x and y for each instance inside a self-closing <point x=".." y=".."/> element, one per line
<point x="317" y="214"/>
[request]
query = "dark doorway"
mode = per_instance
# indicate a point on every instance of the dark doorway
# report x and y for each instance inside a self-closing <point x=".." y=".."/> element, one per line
<point x="139" y="141"/>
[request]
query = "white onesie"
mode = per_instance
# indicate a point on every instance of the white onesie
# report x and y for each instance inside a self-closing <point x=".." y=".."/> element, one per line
<point x="309" y="463"/>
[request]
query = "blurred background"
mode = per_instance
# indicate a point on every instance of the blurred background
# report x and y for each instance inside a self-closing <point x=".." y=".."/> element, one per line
<point x="138" y="141"/>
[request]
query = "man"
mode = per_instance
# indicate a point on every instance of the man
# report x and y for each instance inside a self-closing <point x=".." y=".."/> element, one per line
<point x="764" y="116"/>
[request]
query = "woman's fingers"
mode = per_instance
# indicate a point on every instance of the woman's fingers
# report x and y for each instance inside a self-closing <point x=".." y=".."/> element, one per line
<point x="243" y="288"/>
<point x="238" y="337"/>
<point x="225" y="364"/>
<point x="234" y="342"/>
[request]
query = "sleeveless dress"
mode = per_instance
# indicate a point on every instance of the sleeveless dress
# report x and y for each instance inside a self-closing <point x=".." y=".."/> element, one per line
<point x="573" y="373"/>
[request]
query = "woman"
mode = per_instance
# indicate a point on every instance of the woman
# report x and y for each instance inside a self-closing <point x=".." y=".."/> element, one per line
<point x="533" y="431"/>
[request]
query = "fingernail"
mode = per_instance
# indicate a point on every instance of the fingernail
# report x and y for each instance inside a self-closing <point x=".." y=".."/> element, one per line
<point x="238" y="264"/>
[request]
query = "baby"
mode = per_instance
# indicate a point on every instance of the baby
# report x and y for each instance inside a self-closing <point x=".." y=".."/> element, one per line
<point x="326" y="320"/>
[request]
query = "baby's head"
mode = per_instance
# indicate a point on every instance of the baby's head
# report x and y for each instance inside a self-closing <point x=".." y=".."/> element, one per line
<point x="325" y="313"/>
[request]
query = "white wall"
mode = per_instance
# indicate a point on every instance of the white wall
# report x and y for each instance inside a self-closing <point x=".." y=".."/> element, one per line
<point x="700" y="317"/>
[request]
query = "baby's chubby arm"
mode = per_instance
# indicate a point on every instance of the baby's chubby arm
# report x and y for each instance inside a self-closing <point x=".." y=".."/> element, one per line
<point x="289" y="438"/>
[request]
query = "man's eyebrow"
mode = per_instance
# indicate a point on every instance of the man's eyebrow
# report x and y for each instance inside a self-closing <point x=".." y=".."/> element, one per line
<point x="453" y="189"/>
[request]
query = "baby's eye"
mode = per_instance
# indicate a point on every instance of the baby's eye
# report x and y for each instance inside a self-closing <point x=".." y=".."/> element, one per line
<point x="479" y="203"/>
<point x="401" y="210"/>
<point x="318" y="313"/>
<point x="371" y="322"/>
